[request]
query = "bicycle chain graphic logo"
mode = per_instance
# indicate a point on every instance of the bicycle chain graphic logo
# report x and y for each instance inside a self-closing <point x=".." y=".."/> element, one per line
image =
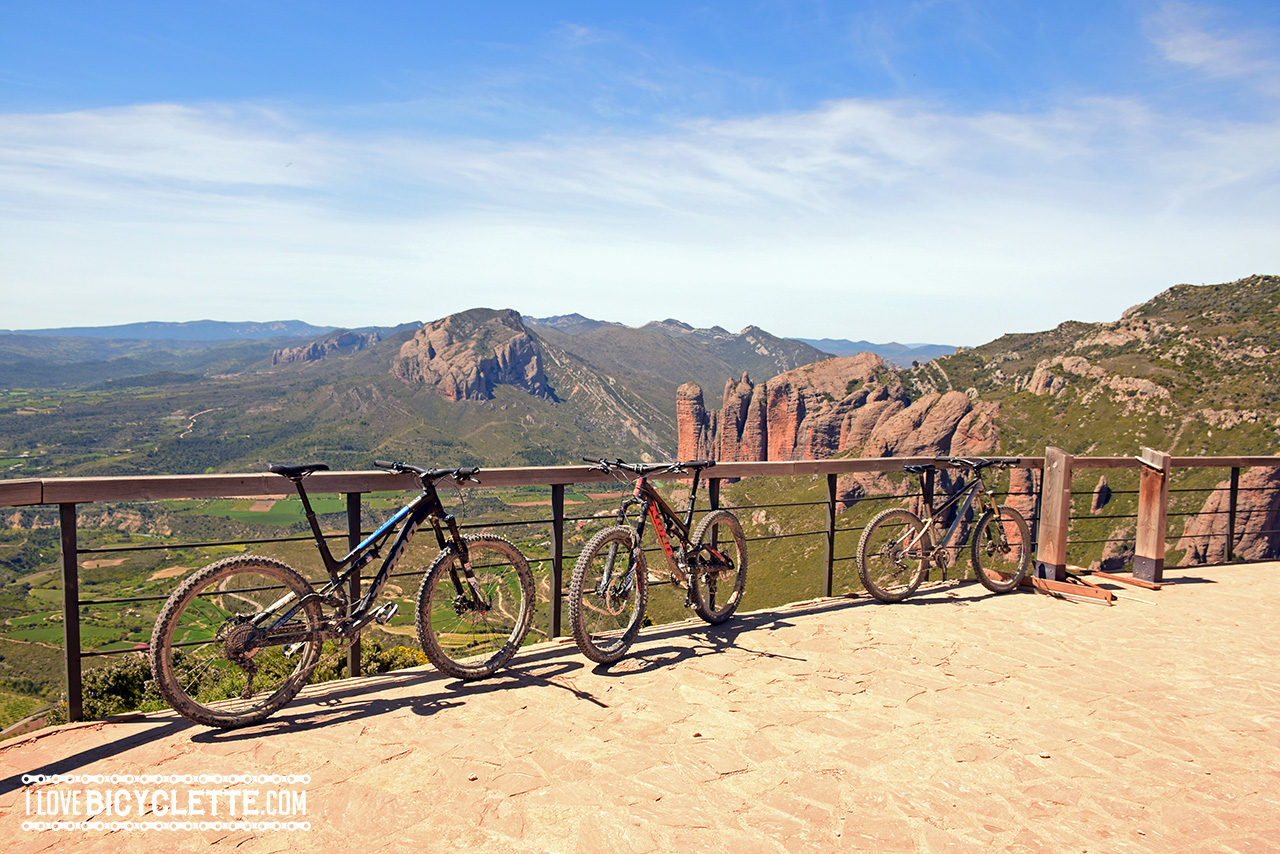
<point x="174" y="802"/>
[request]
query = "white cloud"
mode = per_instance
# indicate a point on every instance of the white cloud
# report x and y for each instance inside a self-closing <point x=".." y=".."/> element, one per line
<point x="858" y="219"/>
<point x="1187" y="35"/>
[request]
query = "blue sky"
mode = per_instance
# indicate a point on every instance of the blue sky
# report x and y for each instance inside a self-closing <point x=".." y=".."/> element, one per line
<point x="940" y="171"/>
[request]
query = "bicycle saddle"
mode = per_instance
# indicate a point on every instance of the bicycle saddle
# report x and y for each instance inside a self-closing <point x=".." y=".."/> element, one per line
<point x="296" y="471"/>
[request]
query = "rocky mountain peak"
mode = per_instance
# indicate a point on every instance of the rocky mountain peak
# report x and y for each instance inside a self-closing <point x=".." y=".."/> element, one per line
<point x="466" y="355"/>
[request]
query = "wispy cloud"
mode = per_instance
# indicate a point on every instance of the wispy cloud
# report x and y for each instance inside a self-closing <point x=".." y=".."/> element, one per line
<point x="1193" y="35"/>
<point x="855" y="215"/>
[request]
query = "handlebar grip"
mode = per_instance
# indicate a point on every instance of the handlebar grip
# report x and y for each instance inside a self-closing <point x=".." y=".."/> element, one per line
<point x="386" y="464"/>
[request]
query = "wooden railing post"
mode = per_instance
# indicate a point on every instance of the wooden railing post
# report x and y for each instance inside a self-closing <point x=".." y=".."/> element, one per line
<point x="557" y="557"/>
<point x="71" y="611"/>
<point x="1055" y="522"/>
<point x="353" y="592"/>
<point x="828" y="583"/>
<point x="1153" y="514"/>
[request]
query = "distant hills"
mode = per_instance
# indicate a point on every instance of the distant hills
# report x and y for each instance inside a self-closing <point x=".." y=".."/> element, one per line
<point x="195" y="330"/>
<point x="901" y="355"/>
<point x="202" y="331"/>
<point x="481" y="386"/>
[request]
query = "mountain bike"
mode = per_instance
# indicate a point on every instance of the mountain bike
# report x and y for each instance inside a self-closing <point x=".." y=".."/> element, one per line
<point x="239" y="638"/>
<point x="610" y="584"/>
<point x="895" y="552"/>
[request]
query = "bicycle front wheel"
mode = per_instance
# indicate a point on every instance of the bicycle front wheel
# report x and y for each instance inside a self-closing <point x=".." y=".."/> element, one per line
<point x="718" y="567"/>
<point x="1001" y="549"/>
<point x="236" y="641"/>
<point x="893" y="555"/>
<point x="607" y="595"/>
<point x="466" y="632"/>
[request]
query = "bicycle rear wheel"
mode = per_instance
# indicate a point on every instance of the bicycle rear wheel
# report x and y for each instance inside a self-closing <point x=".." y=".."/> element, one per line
<point x="218" y="649"/>
<point x="717" y="580"/>
<point x="464" y="638"/>
<point x="1001" y="546"/>
<point x="893" y="555"/>
<point x="607" y="595"/>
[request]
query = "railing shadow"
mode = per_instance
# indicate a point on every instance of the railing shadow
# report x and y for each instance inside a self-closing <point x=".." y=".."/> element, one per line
<point x="151" y="729"/>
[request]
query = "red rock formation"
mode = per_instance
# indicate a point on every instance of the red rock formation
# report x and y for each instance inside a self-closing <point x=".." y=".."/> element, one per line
<point x="975" y="434"/>
<point x="1204" y="536"/>
<point x="855" y="403"/>
<point x="740" y="425"/>
<point x="698" y="441"/>
<point x="465" y="355"/>
<point x="784" y="414"/>
<point x="1022" y="492"/>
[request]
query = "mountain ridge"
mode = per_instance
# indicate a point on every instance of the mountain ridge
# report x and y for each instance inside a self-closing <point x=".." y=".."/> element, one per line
<point x="1190" y="372"/>
<point x="193" y="330"/>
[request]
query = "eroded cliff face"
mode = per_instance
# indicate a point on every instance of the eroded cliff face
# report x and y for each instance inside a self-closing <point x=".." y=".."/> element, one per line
<point x="1257" y="517"/>
<point x="464" y="356"/>
<point x="856" y="403"/>
<point x="338" y="343"/>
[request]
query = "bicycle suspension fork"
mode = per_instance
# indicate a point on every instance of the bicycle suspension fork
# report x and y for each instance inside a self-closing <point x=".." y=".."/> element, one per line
<point x="465" y="585"/>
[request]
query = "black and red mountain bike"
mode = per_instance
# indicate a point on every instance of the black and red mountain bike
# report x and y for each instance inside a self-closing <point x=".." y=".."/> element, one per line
<point x="610" y="584"/>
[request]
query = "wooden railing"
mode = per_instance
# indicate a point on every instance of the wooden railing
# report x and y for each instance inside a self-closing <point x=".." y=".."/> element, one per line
<point x="1051" y="522"/>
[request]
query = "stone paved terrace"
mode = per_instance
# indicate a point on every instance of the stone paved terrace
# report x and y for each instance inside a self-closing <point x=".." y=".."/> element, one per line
<point x="956" y="721"/>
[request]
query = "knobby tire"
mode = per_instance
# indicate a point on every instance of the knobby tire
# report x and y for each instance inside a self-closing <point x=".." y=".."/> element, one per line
<point x="461" y="639"/>
<point x="605" y="619"/>
<point x="1002" y="545"/>
<point x="217" y="666"/>
<point x="888" y="571"/>
<point x="716" y="586"/>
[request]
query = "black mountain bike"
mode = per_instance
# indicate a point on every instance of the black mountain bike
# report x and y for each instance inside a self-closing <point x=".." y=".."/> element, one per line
<point x="610" y="584"/>
<point x="896" y="550"/>
<point x="238" y="639"/>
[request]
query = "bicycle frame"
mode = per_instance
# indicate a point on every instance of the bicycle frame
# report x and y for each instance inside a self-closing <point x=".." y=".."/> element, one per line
<point x="424" y="507"/>
<point x="655" y="509"/>
<point x="968" y="490"/>
<point x="665" y="520"/>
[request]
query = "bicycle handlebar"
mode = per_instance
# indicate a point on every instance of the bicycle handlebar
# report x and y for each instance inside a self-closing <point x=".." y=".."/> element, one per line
<point x="641" y="469"/>
<point x="461" y="475"/>
<point x="979" y="464"/>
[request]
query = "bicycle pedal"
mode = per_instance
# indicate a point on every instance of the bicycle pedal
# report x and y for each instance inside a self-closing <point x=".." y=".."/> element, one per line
<point x="383" y="615"/>
<point x="292" y="649"/>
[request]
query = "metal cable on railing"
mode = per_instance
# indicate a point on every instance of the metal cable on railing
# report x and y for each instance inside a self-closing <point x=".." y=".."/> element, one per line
<point x="68" y="494"/>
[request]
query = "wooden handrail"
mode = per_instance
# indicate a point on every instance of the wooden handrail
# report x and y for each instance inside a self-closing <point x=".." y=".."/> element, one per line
<point x="82" y="490"/>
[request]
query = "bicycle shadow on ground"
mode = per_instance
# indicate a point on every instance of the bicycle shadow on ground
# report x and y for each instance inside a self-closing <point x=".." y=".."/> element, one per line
<point x="661" y="646"/>
<point x="361" y="699"/>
